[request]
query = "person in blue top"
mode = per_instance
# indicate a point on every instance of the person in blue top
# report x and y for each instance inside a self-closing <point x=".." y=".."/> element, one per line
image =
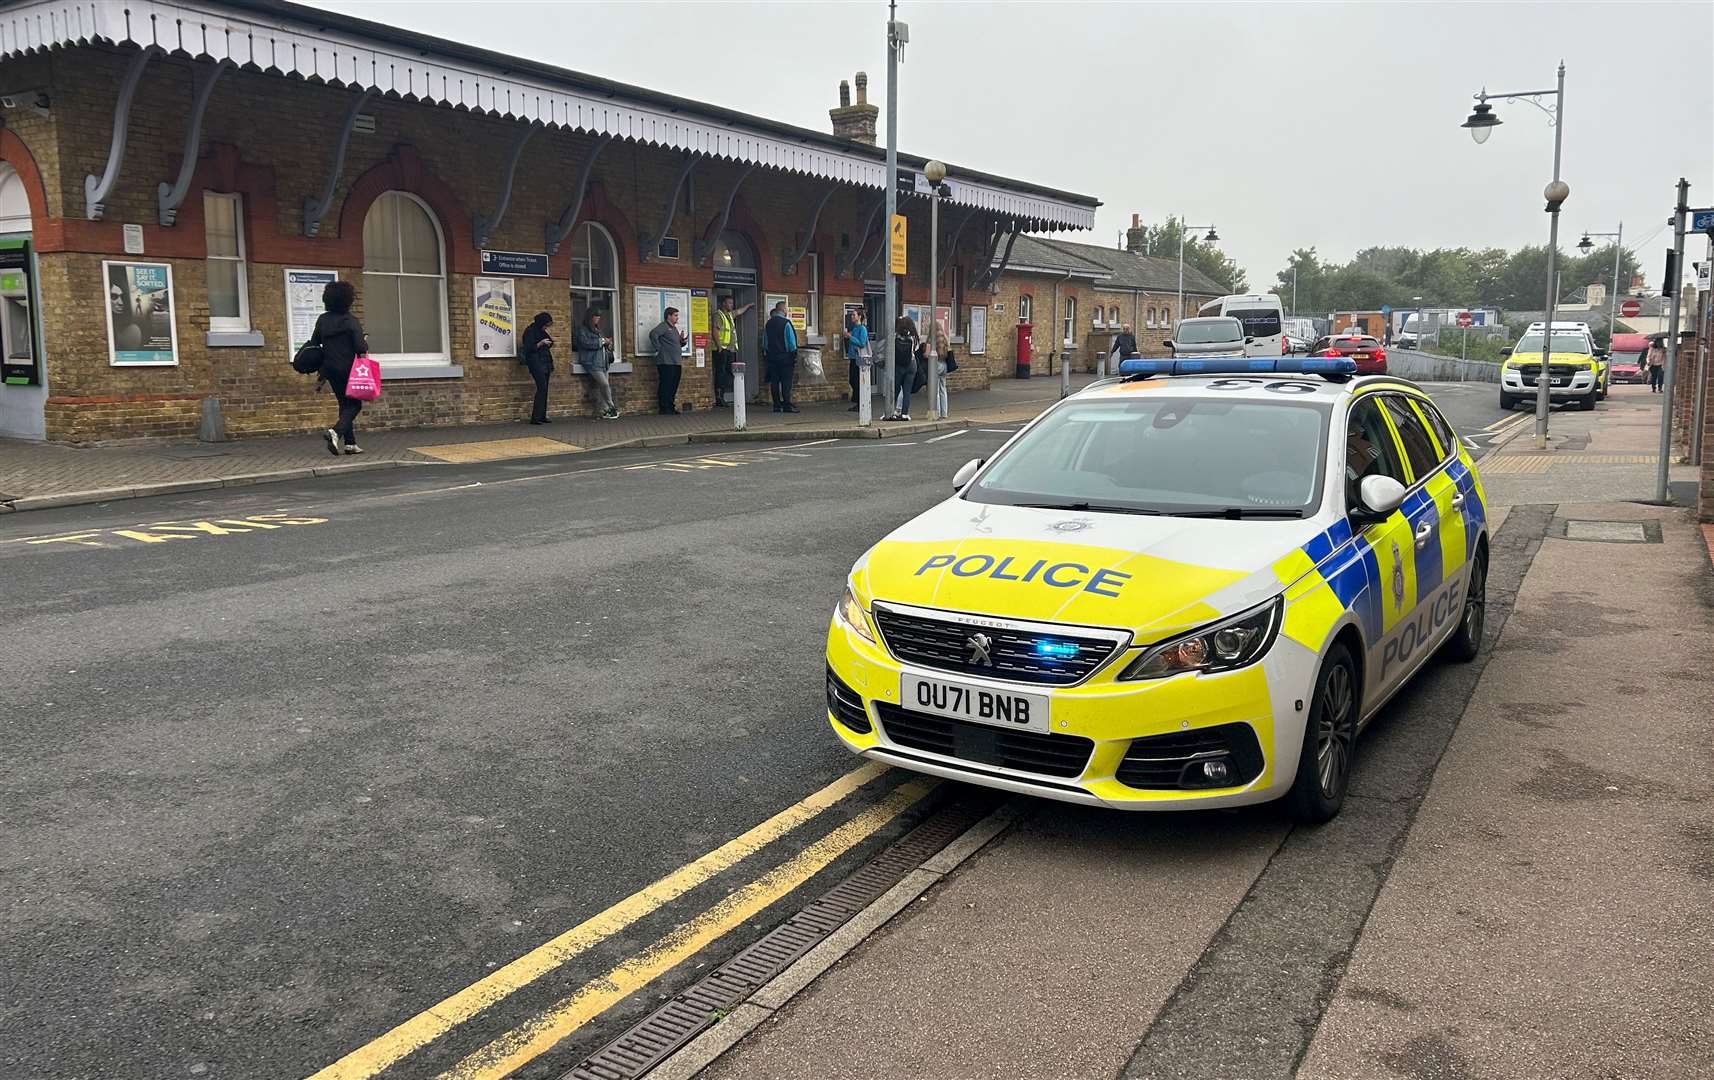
<point x="856" y="352"/>
<point x="782" y="358"/>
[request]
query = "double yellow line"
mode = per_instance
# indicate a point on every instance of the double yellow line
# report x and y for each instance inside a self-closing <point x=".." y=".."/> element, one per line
<point x="529" y="1040"/>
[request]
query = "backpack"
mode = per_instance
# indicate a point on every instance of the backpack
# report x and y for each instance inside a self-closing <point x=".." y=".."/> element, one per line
<point x="308" y="360"/>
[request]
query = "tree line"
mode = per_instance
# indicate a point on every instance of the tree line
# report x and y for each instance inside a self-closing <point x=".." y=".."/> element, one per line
<point x="1444" y="277"/>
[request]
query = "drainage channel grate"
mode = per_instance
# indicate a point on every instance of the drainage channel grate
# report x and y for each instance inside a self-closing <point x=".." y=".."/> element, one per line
<point x="1607" y="532"/>
<point x="684" y="1017"/>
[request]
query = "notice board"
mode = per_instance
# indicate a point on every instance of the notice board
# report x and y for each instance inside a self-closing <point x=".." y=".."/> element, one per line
<point x="648" y="307"/>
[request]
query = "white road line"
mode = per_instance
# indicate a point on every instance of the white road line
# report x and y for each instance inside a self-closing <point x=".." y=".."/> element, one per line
<point x="948" y="435"/>
<point x="999" y="430"/>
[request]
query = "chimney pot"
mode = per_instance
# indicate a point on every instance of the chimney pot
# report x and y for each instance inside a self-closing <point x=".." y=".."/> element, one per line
<point x="844" y="93"/>
<point x="1136" y="219"/>
<point x="862" y="88"/>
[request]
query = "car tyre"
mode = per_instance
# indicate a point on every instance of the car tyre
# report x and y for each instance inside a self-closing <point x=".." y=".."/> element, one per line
<point x="1588" y="402"/>
<point x="1466" y="641"/>
<point x="1329" y="742"/>
<point x="1507" y="401"/>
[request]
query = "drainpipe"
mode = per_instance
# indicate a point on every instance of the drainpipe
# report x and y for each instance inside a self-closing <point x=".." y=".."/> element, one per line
<point x="1059" y="342"/>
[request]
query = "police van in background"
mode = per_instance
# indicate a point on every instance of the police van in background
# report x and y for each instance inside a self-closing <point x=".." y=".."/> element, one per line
<point x="1263" y="317"/>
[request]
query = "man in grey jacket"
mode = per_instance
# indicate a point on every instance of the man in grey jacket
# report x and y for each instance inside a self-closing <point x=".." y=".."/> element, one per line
<point x="666" y="340"/>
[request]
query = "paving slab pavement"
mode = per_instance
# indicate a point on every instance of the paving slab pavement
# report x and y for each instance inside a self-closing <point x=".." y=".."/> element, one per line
<point x="35" y="475"/>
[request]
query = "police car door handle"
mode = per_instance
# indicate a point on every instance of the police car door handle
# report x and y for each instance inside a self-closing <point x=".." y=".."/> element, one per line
<point x="1458" y="501"/>
<point x="1423" y="532"/>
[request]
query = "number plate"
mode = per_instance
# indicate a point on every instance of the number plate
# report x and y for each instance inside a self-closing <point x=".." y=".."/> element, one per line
<point x="978" y="704"/>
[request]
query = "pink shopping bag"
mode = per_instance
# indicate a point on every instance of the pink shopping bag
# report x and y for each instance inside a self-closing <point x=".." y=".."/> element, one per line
<point x="364" y="384"/>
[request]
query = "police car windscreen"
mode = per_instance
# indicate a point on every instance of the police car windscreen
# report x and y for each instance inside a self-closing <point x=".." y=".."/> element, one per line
<point x="1258" y="322"/>
<point x="1166" y="455"/>
<point x="1208" y="331"/>
<point x="1572" y="343"/>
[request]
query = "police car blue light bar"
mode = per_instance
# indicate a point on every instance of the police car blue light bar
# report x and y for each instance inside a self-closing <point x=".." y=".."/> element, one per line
<point x="1236" y="365"/>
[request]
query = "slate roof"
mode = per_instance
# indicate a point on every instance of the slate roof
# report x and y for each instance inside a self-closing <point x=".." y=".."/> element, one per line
<point x="1110" y="267"/>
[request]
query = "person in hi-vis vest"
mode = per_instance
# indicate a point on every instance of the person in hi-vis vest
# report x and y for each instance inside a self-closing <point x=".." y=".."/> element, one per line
<point x="725" y="348"/>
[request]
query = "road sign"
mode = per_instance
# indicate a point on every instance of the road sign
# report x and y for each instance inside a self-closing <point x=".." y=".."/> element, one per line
<point x="1630" y="309"/>
<point x="1465" y="318"/>
<point x="897" y="239"/>
<point x="1701" y="220"/>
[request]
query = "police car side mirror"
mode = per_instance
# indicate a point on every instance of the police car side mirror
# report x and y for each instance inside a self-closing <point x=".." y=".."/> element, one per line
<point x="966" y="473"/>
<point x="1377" y="498"/>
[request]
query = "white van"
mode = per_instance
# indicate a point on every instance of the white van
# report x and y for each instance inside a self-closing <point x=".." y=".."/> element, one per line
<point x="1263" y="317"/>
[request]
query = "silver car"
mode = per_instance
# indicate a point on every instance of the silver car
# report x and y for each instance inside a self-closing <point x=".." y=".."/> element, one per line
<point x="1219" y="335"/>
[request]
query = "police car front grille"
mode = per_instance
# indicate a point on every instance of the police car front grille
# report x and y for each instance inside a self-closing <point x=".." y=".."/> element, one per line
<point x="981" y="744"/>
<point x="1174" y="761"/>
<point x="846" y="705"/>
<point x="1015" y="654"/>
<point x="1556" y="371"/>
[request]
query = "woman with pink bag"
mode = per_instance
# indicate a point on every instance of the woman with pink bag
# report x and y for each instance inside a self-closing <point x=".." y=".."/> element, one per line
<point x="341" y="339"/>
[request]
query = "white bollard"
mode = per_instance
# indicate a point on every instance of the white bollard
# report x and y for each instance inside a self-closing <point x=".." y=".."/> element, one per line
<point x="739" y="397"/>
<point x="865" y="390"/>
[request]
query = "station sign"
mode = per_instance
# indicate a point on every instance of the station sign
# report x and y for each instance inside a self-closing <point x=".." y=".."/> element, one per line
<point x="514" y="263"/>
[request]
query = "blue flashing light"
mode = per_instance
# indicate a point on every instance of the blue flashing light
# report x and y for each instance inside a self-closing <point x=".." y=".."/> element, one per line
<point x="1057" y="650"/>
<point x="1247" y="365"/>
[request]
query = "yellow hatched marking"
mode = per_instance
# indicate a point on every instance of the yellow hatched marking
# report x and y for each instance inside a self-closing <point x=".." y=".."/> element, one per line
<point x="530" y="1040"/>
<point x="496" y="450"/>
<point x="1516" y="466"/>
<point x="435" y="1021"/>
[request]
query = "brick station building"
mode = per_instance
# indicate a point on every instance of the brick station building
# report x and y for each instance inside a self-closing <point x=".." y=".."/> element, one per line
<point x="169" y="164"/>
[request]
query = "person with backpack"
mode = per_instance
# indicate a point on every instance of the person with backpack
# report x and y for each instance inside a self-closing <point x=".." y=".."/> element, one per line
<point x="537" y="356"/>
<point x="906" y="340"/>
<point x="340" y="338"/>
<point x="594" y="353"/>
<point x="782" y="358"/>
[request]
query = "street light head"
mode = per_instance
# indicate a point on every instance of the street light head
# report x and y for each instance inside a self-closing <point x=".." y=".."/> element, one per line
<point x="1585" y="244"/>
<point x="1556" y="193"/>
<point x="1212" y="235"/>
<point x="935" y="171"/>
<point x="1482" y="122"/>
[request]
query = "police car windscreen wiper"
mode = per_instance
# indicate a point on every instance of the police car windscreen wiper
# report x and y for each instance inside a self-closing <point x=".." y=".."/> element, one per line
<point x="1100" y="508"/>
<point x="1237" y="513"/>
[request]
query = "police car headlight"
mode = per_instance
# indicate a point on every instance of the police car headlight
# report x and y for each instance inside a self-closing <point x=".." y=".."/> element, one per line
<point x="1230" y="643"/>
<point x="851" y="613"/>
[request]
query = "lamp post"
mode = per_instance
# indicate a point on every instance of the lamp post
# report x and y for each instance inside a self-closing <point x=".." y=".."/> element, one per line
<point x="1417" y="300"/>
<point x="1585" y="245"/>
<point x="934" y="172"/>
<point x="1481" y="123"/>
<point x="897" y="34"/>
<point x="1183" y="231"/>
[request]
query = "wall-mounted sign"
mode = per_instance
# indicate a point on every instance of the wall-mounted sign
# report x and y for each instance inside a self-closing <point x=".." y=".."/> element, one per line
<point x="978" y="330"/>
<point x="514" y="263"/>
<point x="799" y="317"/>
<point x="140" y="331"/>
<point x="303" y="304"/>
<point x="649" y="304"/>
<point x="699" y="323"/>
<point x="496" y="317"/>
<point x="133" y="239"/>
<point x="896" y="241"/>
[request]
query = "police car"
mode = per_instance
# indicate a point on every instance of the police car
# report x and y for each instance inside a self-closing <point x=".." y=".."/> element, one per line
<point x="1188" y="587"/>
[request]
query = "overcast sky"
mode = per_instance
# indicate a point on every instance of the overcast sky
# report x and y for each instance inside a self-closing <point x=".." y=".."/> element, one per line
<point x="1287" y="125"/>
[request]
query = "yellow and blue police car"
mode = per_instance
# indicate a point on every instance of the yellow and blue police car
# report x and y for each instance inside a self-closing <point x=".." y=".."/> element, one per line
<point x="1187" y="587"/>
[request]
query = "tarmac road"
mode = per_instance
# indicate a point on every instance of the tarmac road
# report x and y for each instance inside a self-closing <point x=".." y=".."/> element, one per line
<point x="291" y="765"/>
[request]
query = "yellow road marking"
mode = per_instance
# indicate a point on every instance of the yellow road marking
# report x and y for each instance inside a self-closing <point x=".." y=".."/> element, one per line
<point x="431" y="1023"/>
<point x="1510" y="421"/>
<point x="496" y="449"/>
<point x="528" y="1041"/>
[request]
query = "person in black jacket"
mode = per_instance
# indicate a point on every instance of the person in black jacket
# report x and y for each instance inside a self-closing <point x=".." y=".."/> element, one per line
<point x="1125" y="343"/>
<point x="341" y="338"/>
<point x="538" y="357"/>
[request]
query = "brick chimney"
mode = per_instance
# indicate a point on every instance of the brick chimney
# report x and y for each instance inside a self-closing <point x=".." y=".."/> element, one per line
<point x="855" y="122"/>
<point x="1136" y="237"/>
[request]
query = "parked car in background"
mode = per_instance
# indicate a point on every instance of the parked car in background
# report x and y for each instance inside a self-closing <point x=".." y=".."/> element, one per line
<point x="1295" y="345"/>
<point x="1371" y="358"/>
<point x="1625" y="358"/>
<point x="1210" y="337"/>
<point x="1262" y="316"/>
<point x="1300" y="334"/>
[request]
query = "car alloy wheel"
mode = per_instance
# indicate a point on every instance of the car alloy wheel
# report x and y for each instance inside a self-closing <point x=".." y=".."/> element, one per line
<point x="1335" y="731"/>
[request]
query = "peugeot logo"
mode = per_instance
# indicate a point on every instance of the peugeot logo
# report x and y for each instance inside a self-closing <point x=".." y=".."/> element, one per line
<point x="979" y="644"/>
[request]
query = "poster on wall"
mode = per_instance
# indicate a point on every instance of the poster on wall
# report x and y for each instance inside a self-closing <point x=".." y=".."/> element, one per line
<point x="978" y="330"/>
<point x="699" y="325"/>
<point x="496" y="317"/>
<point x="648" y="308"/>
<point x="303" y="304"/>
<point x="140" y="331"/>
<point x="799" y="317"/>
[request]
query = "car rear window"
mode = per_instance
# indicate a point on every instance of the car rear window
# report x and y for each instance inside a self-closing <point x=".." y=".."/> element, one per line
<point x="1358" y="343"/>
<point x="1207" y="331"/>
<point x="1258" y="322"/>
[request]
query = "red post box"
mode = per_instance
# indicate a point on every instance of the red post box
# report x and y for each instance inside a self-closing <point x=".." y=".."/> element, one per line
<point x="1024" y="350"/>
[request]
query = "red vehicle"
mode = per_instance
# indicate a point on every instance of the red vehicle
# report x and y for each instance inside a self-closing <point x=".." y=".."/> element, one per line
<point x="1371" y="358"/>
<point x="1625" y="358"/>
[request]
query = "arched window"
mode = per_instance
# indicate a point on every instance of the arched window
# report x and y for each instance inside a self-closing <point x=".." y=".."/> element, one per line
<point x="1070" y="319"/>
<point x="595" y="281"/>
<point x="1096" y="315"/>
<point x="1024" y="307"/>
<point x="14" y="201"/>
<point x="404" y="281"/>
<point x="1113" y="316"/>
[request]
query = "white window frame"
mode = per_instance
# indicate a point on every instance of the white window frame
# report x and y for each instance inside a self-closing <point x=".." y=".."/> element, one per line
<point x="421" y="364"/>
<point x="226" y="324"/>
<point x="812" y="322"/>
<point x="1070" y="320"/>
<point x="1098" y="317"/>
<point x="1025" y="303"/>
<point x="1113" y="316"/>
<point x="613" y="325"/>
